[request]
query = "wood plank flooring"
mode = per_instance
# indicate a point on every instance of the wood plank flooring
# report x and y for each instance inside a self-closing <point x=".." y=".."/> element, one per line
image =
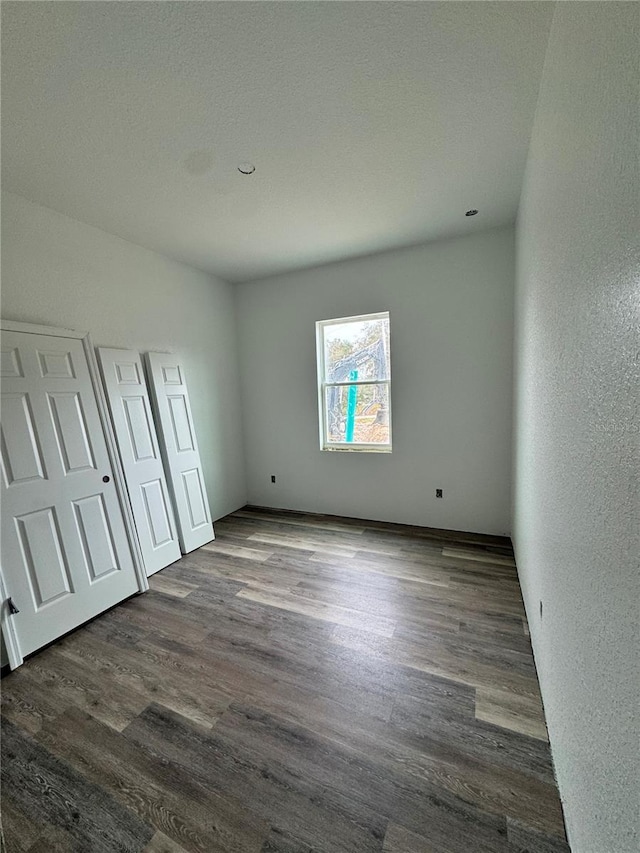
<point x="303" y="684"/>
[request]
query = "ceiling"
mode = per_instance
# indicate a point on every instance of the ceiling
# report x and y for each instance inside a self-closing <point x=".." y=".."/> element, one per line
<point x="371" y="125"/>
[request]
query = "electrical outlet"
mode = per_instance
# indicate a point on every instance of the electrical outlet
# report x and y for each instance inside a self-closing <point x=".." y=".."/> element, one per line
<point x="438" y="493"/>
<point x="273" y="478"/>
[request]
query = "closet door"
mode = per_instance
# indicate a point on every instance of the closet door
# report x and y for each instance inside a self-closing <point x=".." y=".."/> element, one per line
<point x="66" y="554"/>
<point x="140" y="454"/>
<point x="178" y="439"/>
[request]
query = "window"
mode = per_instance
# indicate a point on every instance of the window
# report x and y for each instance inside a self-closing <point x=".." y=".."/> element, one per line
<point x="354" y="383"/>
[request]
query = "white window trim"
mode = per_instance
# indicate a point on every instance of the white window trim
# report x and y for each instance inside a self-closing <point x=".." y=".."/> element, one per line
<point x="346" y="447"/>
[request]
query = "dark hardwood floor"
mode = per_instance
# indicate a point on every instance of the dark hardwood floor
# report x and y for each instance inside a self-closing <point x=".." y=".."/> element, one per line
<point x="301" y="684"/>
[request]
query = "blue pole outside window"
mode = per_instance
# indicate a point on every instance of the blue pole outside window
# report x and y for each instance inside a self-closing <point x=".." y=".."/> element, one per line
<point x="352" y="399"/>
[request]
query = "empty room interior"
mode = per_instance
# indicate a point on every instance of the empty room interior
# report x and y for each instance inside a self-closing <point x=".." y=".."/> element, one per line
<point x="320" y="440"/>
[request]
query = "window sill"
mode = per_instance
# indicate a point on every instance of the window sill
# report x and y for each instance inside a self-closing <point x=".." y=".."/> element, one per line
<point x="357" y="449"/>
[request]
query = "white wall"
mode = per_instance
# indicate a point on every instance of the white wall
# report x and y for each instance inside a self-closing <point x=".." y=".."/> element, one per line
<point x="575" y="520"/>
<point x="451" y="305"/>
<point x="61" y="272"/>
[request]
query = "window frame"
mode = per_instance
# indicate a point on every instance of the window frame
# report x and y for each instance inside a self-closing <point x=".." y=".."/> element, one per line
<point x="348" y="446"/>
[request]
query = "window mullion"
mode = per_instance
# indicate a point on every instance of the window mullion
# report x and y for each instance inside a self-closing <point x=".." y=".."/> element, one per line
<point x="347" y="383"/>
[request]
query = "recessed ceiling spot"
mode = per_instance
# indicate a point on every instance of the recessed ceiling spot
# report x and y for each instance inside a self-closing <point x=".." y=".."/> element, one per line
<point x="246" y="168"/>
<point x="471" y="212"/>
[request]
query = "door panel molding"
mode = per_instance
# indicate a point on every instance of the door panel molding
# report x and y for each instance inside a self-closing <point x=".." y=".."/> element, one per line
<point x="35" y="530"/>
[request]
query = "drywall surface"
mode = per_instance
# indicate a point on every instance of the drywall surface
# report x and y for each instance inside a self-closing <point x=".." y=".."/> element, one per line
<point x="372" y="125"/>
<point x="576" y="504"/>
<point x="450" y="305"/>
<point x="61" y="272"/>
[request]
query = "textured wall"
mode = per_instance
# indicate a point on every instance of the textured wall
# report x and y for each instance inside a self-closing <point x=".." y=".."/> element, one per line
<point x="451" y="306"/>
<point x="61" y="272"/>
<point x="575" y="521"/>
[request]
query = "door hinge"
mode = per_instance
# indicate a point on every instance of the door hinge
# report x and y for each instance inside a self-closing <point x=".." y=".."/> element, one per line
<point x="12" y="608"/>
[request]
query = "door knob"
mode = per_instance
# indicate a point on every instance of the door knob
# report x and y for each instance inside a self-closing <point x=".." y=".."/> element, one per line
<point x="106" y="479"/>
<point x="12" y="608"/>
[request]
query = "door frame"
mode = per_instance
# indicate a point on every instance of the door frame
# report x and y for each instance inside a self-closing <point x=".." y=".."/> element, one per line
<point x="8" y="631"/>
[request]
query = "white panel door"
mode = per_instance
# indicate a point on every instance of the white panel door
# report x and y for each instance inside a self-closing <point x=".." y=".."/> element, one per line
<point x="175" y="426"/>
<point x="66" y="555"/>
<point x="140" y="454"/>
